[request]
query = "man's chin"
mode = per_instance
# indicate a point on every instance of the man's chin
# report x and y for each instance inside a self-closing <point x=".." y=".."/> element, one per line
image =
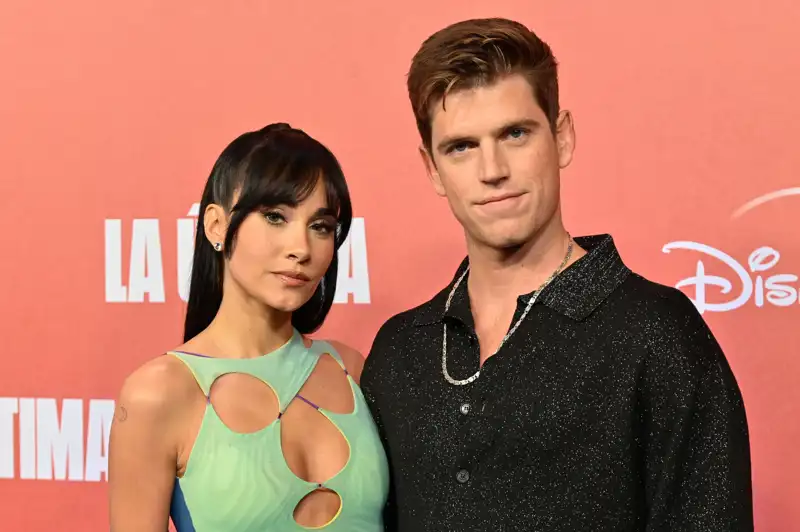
<point x="505" y="242"/>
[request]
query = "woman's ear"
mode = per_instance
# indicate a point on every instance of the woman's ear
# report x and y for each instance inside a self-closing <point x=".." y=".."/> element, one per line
<point x="215" y="224"/>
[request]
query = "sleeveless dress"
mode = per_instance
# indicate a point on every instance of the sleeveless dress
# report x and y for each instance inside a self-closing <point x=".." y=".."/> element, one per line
<point x="240" y="482"/>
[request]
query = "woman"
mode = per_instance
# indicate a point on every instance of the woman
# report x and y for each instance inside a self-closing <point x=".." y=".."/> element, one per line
<point x="249" y="425"/>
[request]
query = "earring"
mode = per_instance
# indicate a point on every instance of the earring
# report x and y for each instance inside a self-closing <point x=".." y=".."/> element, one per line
<point x="218" y="246"/>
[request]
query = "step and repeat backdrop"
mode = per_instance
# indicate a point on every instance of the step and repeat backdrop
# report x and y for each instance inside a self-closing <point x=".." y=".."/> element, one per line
<point x="111" y="116"/>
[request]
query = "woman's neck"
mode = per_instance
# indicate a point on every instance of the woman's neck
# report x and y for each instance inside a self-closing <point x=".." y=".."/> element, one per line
<point x="246" y="328"/>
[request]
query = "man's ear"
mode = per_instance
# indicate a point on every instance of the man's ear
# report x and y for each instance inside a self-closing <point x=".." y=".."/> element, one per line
<point x="565" y="138"/>
<point x="433" y="172"/>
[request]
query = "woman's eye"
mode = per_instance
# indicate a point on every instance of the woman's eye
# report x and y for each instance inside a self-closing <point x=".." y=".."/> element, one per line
<point x="322" y="227"/>
<point x="274" y="217"/>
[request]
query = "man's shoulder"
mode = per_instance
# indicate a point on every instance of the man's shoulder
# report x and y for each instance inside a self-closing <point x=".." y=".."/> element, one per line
<point x="401" y="328"/>
<point x="407" y="321"/>
<point x="654" y="300"/>
<point x="666" y="321"/>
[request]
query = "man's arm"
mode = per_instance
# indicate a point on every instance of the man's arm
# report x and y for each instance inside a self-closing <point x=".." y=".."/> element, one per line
<point x="372" y="382"/>
<point x="694" y="429"/>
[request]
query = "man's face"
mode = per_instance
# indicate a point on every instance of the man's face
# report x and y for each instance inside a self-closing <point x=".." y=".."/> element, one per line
<point x="496" y="160"/>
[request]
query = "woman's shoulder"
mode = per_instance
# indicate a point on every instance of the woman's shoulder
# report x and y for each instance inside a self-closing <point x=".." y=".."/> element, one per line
<point x="157" y="389"/>
<point x="352" y="359"/>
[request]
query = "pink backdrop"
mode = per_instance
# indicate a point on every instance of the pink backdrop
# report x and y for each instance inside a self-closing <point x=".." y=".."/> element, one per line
<point x="111" y="116"/>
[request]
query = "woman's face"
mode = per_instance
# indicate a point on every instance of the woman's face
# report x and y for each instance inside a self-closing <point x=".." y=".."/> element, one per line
<point x="281" y="254"/>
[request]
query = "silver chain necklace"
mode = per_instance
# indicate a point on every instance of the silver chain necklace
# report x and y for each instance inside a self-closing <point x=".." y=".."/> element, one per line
<point x="531" y="301"/>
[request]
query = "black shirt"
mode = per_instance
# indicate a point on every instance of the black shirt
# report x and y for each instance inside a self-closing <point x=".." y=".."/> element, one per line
<point x="611" y="408"/>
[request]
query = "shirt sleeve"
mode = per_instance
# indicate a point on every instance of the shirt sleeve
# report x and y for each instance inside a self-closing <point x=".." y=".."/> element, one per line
<point x="371" y="383"/>
<point x="695" y="441"/>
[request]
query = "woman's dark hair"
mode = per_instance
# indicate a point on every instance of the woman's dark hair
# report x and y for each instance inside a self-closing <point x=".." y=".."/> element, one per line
<point x="276" y="165"/>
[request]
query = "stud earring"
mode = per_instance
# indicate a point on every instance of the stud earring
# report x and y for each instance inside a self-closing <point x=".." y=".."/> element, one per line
<point x="218" y="246"/>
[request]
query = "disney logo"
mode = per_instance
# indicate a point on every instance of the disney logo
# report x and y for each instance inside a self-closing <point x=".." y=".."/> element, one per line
<point x="775" y="289"/>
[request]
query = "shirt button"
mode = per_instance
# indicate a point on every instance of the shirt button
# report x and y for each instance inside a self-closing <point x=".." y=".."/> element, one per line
<point x="465" y="408"/>
<point x="462" y="476"/>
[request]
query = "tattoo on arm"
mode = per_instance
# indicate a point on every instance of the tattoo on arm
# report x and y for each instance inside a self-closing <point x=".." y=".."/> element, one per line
<point x="122" y="414"/>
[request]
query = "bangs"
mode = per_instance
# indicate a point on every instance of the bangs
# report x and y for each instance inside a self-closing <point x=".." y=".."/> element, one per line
<point x="259" y="170"/>
<point x="286" y="170"/>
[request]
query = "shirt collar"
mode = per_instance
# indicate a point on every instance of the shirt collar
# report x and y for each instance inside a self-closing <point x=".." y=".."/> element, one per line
<point x="575" y="292"/>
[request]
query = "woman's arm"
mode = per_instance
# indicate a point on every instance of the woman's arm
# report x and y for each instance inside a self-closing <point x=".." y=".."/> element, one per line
<point x="144" y="444"/>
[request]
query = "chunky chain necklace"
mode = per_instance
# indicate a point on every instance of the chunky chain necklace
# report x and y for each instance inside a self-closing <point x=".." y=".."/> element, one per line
<point x="531" y="301"/>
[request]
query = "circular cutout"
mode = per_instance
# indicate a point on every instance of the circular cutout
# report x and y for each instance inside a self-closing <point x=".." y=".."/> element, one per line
<point x="314" y="448"/>
<point x="245" y="404"/>
<point x="318" y="509"/>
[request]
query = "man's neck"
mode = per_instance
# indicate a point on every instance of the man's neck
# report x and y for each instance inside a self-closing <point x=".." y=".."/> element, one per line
<point x="500" y="276"/>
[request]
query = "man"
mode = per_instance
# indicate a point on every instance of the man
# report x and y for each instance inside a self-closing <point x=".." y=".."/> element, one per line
<point x="547" y="387"/>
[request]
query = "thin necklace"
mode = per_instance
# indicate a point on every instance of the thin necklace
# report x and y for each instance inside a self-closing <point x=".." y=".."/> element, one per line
<point x="531" y="301"/>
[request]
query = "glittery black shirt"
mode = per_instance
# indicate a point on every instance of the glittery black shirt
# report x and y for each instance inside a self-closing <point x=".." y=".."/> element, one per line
<point x="611" y="408"/>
